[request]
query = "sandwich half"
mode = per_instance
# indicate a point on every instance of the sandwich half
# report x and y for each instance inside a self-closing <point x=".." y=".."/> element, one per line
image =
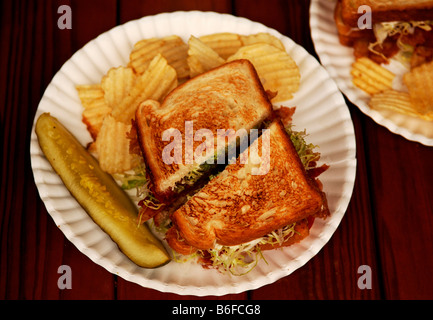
<point x="251" y="202"/>
<point x="401" y="29"/>
<point x="230" y="98"/>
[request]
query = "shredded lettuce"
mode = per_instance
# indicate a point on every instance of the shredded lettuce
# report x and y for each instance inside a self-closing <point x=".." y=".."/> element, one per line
<point x="388" y="29"/>
<point x="151" y="202"/>
<point x="241" y="259"/>
<point x="278" y="237"/>
<point x="238" y="260"/>
<point x="135" y="178"/>
<point x="305" y="150"/>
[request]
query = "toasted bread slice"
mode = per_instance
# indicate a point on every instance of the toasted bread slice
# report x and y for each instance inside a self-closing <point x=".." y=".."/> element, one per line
<point x="229" y="97"/>
<point x="237" y="206"/>
<point x="387" y="10"/>
<point x="347" y="35"/>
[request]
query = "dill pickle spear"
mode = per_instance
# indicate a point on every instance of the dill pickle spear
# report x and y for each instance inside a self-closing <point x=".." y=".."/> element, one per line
<point x="96" y="191"/>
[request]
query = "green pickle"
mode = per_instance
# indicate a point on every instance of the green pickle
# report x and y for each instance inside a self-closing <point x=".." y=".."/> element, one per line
<point x="97" y="192"/>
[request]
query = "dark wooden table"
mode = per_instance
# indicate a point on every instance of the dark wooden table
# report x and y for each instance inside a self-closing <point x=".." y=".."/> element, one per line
<point x="388" y="225"/>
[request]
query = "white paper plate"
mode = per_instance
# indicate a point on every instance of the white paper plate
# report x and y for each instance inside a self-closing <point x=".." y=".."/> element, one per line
<point x="320" y="108"/>
<point x="337" y="59"/>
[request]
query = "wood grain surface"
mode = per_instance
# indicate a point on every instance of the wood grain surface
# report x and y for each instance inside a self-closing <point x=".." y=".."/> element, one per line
<point x="388" y="224"/>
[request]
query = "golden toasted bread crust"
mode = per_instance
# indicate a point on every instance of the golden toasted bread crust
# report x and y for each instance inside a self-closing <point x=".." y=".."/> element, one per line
<point x="177" y="243"/>
<point x="347" y="34"/>
<point x="237" y="207"/>
<point x="228" y="97"/>
<point x="390" y="10"/>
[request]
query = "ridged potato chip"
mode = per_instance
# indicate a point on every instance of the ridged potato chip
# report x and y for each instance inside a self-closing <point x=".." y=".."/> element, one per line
<point x="158" y="80"/>
<point x="112" y="147"/>
<point x="392" y="100"/>
<point x="419" y="81"/>
<point x="195" y="67"/>
<point x="89" y="92"/>
<point x="204" y="54"/>
<point x="397" y="101"/>
<point x="116" y="85"/>
<point x="172" y="48"/>
<point x="95" y="107"/>
<point x="262" y="38"/>
<point x="276" y="69"/>
<point x="370" y="76"/>
<point x="224" y="43"/>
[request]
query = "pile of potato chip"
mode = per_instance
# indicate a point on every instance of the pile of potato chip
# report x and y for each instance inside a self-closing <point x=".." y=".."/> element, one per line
<point x="158" y="65"/>
<point x="377" y="82"/>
